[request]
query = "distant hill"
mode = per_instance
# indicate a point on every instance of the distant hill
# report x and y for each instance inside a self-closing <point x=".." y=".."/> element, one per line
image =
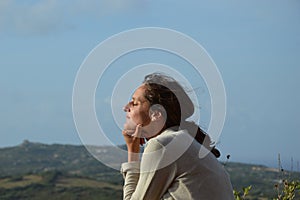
<point x="34" y="158"/>
<point x="35" y="170"/>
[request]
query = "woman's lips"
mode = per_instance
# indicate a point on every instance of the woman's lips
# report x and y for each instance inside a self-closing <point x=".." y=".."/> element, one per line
<point x="129" y="124"/>
<point x="128" y="120"/>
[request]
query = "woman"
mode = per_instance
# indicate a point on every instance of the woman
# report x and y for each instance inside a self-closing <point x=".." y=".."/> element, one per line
<point x="178" y="161"/>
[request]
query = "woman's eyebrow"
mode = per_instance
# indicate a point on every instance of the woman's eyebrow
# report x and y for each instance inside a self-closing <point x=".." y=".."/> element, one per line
<point x="136" y="99"/>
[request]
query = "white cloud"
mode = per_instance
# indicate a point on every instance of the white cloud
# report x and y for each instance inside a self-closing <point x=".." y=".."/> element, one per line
<point x="39" y="17"/>
<point x="44" y="16"/>
<point x="98" y="8"/>
<point x="5" y="11"/>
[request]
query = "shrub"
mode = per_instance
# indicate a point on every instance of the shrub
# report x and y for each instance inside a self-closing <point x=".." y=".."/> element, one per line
<point x="238" y="195"/>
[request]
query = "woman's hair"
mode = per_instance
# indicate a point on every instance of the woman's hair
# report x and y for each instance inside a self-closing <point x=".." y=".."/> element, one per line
<point x="167" y="92"/>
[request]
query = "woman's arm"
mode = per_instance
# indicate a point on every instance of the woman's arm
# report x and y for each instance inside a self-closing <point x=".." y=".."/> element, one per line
<point x="146" y="179"/>
<point x="133" y="141"/>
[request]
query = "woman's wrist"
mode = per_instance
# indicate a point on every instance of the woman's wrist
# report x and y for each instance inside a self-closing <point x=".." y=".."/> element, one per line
<point x="133" y="153"/>
<point x="133" y="157"/>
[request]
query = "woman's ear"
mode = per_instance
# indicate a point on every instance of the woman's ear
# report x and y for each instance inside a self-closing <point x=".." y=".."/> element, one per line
<point x="155" y="115"/>
<point x="157" y="112"/>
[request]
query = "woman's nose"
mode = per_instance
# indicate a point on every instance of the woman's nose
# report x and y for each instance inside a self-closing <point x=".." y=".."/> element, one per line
<point x="126" y="108"/>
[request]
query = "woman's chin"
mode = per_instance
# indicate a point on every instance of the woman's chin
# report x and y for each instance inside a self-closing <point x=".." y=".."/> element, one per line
<point x="129" y="124"/>
<point x="129" y="127"/>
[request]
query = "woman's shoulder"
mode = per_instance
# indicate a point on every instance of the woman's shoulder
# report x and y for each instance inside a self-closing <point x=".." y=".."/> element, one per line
<point x="168" y="138"/>
<point x="168" y="135"/>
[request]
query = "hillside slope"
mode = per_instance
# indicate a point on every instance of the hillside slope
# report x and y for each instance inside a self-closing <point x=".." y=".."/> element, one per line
<point x="35" y="170"/>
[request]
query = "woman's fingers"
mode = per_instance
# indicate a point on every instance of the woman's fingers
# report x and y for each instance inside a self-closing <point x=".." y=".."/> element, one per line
<point x="133" y="140"/>
<point x="133" y="133"/>
<point x="138" y="131"/>
<point x="128" y="132"/>
<point x="133" y="137"/>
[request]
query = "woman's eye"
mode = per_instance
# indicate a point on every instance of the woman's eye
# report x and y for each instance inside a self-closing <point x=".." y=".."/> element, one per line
<point x="133" y="103"/>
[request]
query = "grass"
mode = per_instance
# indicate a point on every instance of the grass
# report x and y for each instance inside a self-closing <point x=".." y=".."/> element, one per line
<point x="85" y="182"/>
<point x="56" y="185"/>
<point x="19" y="181"/>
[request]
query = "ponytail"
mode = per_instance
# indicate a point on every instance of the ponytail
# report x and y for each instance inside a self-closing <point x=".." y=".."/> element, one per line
<point x="200" y="136"/>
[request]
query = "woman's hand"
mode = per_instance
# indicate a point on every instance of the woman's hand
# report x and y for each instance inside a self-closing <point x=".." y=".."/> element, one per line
<point x="133" y="141"/>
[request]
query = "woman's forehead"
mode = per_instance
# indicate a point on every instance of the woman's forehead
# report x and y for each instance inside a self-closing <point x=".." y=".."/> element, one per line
<point x="139" y="93"/>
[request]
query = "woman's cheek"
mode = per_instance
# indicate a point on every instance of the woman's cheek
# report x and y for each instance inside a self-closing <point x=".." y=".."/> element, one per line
<point x="136" y="120"/>
<point x="145" y="118"/>
<point x="130" y="124"/>
<point x="139" y="118"/>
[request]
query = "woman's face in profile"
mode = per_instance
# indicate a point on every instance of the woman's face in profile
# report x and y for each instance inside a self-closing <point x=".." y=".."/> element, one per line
<point x="137" y="110"/>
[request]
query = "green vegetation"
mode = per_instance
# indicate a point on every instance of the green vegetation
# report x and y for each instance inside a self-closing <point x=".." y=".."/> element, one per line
<point x="242" y="195"/>
<point x="39" y="171"/>
<point x="261" y="179"/>
<point x="56" y="185"/>
<point x="287" y="190"/>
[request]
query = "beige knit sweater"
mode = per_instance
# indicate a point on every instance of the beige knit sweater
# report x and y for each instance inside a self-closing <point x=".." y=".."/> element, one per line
<point x="175" y="166"/>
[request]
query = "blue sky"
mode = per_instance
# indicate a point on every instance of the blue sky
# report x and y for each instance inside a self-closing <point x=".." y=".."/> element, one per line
<point x="255" y="44"/>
